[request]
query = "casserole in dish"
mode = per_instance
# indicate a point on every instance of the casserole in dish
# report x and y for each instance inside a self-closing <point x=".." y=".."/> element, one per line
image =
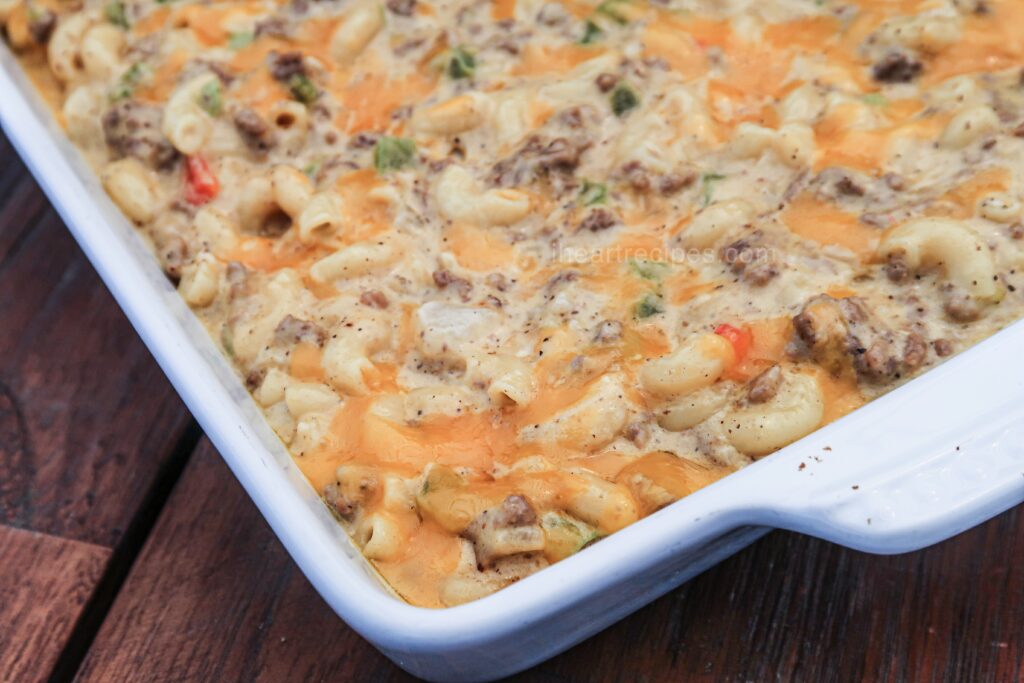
<point x="827" y="484"/>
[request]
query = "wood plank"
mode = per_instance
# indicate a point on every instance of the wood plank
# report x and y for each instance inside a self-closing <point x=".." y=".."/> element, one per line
<point x="87" y="417"/>
<point x="89" y="431"/>
<point x="20" y="210"/>
<point x="795" y="608"/>
<point x="80" y="445"/>
<point x="13" y="169"/>
<point x="40" y="603"/>
<point x="214" y="596"/>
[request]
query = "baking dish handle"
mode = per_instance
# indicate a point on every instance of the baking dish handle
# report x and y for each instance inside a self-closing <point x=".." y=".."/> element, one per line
<point x="929" y="460"/>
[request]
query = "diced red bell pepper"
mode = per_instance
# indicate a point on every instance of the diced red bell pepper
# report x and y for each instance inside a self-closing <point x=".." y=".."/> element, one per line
<point x="201" y="185"/>
<point x="741" y="339"/>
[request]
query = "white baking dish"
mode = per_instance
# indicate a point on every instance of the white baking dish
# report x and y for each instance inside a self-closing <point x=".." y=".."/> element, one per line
<point x="919" y="465"/>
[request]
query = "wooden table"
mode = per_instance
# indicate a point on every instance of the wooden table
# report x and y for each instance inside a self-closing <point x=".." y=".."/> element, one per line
<point x="128" y="552"/>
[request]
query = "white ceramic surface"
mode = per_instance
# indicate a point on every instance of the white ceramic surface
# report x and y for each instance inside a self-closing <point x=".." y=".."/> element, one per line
<point x="928" y="461"/>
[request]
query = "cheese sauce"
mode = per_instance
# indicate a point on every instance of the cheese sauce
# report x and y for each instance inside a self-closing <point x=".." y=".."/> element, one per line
<point x="508" y="276"/>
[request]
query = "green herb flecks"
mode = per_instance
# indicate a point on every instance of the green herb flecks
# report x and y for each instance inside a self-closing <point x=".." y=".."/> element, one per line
<point x="302" y="89"/>
<point x="593" y="193"/>
<point x="242" y="39"/>
<point x="566" y="536"/>
<point x="312" y="169"/>
<point x="613" y="10"/>
<point x="461" y="63"/>
<point x="623" y="99"/>
<point x="211" y="98"/>
<point x="227" y="340"/>
<point x="649" y="270"/>
<point x="875" y="99"/>
<point x="650" y="305"/>
<point x="129" y="80"/>
<point x="608" y="14"/>
<point x="115" y="13"/>
<point x="707" y="184"/>
<point x="35" y="13"/>
<point x="591" y="33"/>
<point x="391" y="154"/>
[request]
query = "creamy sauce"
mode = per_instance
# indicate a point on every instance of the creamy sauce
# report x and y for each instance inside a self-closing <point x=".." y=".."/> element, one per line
<point x="507" y="276"/>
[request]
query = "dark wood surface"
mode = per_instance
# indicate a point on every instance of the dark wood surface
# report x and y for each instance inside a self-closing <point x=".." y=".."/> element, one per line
<point x="45" y="583"/>
<point x="84" y="450"/>
<point x="128" y="552"/>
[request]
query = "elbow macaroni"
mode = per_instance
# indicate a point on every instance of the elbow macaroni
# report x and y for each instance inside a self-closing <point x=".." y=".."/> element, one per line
<point x="717" y="221"/>
<point x="793" y="143"/>
<point x="504" y="290"/>
<point x="321" y="216"/>
<point x="291" y="190"/>
<point x="697" y="364"/>
<point x="592" y="422"/>
<point x="950" y="245"/>
<point x="64" y="49"/>
<point x="200" y="281"/>
<point x="101" y="50"/>
<point x="356" y="31"/>
<point x="968" y="126"/>
<point x="795" y="412"/>
<point x="460" y="198"/>
<point x="355" y="260"/>
<point x="457" y="115"/>
<point x="185" y="123"/>
<point x="133" y="188"/>
<point x="510" y="380"/>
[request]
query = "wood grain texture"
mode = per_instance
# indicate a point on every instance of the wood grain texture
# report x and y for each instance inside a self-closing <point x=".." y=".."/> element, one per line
<point x="86" y="417"/>
<point x="795" y="608"/>
<point x="40" y="601"/>
<point x="217" y="592"/>
<point x="88" y="433"/>
<point x="88" y="426"/>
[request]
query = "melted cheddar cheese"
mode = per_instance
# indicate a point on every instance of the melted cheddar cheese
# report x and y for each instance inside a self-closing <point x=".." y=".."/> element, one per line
<point x="507" y="276"/>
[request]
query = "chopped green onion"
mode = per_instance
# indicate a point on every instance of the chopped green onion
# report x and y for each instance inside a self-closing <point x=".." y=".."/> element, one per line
<point x="391" y="154"/>
<point x="302" y="89"/>
<point x="210" y="98"/>
<point x="114" y="12"/>
<point x="461" y="63"/>
<point x="129" y="79"/>
<point x="566" y="536"/>
<point x="593" y="193"/>
<point x="607" y="11"/>
<point x="312" y="169"/>
<point x="34" y="13"/>
<point x="648" y="306"/>
<point x="707" y="183"/>
<point x="237" y="41"/>
<point x="648" y="270"/>
<point x="875" y="99"/>
<point x="591" y="33"/>
<point x="227" y="340"/>
<point x="623" y="99"/>
<point x="610" y="9"/>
